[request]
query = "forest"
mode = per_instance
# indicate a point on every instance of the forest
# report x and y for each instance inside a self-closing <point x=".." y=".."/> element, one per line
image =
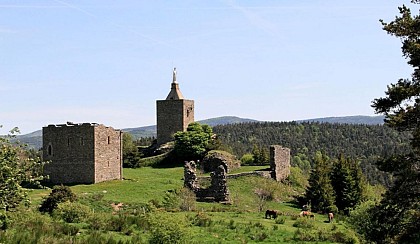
<point x="366" y="143"/>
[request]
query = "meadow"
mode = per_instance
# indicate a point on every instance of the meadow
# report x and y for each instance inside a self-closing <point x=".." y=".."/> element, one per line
<point x="150" y="213"/>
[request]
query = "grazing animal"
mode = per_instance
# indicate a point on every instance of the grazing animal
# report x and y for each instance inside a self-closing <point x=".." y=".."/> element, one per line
<point x="330" y="217"/>
<point x="305" y="214"/>
<point x="271" y="213"/>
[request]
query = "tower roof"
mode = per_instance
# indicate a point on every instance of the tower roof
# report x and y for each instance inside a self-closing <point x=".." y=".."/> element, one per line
<point x="175" y="93"/>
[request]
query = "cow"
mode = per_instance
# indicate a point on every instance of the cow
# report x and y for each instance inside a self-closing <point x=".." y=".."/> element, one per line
<point x="271" y="213"/>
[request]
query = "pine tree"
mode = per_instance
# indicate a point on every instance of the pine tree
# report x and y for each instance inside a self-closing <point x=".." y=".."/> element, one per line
<point x="397" y="217"/>
<point x="347" y="182"/>
<point x="320" y="192"/>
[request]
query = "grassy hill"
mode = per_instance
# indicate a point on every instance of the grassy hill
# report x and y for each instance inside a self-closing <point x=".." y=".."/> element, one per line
<point x="144" y="194"/>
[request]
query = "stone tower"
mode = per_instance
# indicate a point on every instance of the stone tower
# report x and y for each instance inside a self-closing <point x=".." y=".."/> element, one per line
<point x="82" y="153"/>
<point x="173" y="114"/>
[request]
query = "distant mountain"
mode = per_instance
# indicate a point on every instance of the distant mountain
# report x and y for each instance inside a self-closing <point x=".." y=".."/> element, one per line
<point x="358" y="119"/>
<point x="145" y="131"/>
<point x="226" y="120"/>
<point x="34" y="139"/>
<point x="149" y="131"/>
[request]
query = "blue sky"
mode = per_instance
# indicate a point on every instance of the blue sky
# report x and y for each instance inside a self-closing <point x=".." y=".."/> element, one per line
<point x="109" y="61"/>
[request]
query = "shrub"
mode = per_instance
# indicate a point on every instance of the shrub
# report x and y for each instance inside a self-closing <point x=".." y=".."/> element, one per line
<point x="58" y="195"/>
<point x="4" y="221"/>
<point x="344" y="237"/>
<point x="165" y="229"/>
<point x="98" y="221"/>
<point x="171" y="201"/>
<point x="201" y="219"/>
<point x="183" y="199"/>
<point x="247" y="159"/>
<point x="68" y="229"/>
<point x="304" y="223"/>
<point x="188" y="199"/>
<point x="280" y="221"/>
<point x="72" y="212"/>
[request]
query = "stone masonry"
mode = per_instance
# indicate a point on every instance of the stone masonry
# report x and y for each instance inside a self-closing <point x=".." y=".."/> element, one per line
<point x="217" y="191"/>
<point x="173" y="114"/>
<point x="279" y="162"/>
<point x="82" y="153"/>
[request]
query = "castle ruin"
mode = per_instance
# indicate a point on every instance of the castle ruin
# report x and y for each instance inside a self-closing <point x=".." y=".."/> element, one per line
<point x="82" y="153"/>
<point x="279" y="162"/>
<point x="173" y="114"/>
<point x="217" y="191"/>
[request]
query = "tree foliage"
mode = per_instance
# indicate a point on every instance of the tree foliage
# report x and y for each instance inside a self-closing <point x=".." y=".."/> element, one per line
<point x="193" y="143"/>
<point x="366" y="143"/>
<point x="335" y="184"/>
<point x="320" y="193"/>
<point x="131" y="155"/>
<point x="58" y="195"/>
<point x="397" y="217"/>
<point x="16" y="168"/>
<point x="348" y="183"/>
<point x="260" y="155"/>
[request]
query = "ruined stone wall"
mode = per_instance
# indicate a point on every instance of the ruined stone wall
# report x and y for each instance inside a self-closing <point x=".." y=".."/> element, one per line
<point x="218" y="190"/>
<point x="279" y="162"/>
<point x="173" y="116"/>
<point x="108" y="154"/>
<point x="72" y="150"/>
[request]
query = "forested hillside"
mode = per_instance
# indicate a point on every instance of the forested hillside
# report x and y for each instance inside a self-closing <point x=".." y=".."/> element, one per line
<point x="366" y="143"/>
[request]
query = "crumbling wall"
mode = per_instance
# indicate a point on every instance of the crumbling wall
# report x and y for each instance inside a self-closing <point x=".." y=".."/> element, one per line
<point x="218" y="190"/>
<point x="190" y="177"/>
<point x="279" y="162"/>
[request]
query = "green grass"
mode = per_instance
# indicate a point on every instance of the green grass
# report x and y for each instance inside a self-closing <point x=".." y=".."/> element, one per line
<point x="243" y="169"/>
<point x="237" y="222"/>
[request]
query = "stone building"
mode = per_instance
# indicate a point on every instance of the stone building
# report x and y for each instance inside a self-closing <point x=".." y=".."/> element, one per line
<point x="82" y="153"/>
<point x="173" y="114"/>
<point x="279" y="162"/>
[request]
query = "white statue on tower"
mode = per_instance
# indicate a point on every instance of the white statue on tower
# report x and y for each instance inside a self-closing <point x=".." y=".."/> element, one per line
<point x="174" y="76"/>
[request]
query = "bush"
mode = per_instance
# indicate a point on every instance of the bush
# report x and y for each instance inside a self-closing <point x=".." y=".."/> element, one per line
<point x="202" y="220"/>
<point x="165" y="229"/>
<point x="58" y="195"/>
<point x="247" y="159"/>
<point x="98" y="221"/>
<point x="4" y="221"/>
<point x="72" y="212"/>
<point x="280" y="221"/>
<point x="304" y="223"/>
<point x="68" y="229"/>
<point x="188" y="199"/>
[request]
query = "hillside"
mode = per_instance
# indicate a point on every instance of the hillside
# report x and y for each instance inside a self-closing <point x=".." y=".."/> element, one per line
<point x="150" y="205"/>
<point x="34" y="139"/>
<point x="364" y="142"/>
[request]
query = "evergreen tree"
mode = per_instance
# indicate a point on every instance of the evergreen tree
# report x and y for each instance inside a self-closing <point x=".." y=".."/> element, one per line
<point x="260" y="155"/>
<point x="347" y="182"/>
<point x="320" y="192"/>
<point x="397" y="217"/>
